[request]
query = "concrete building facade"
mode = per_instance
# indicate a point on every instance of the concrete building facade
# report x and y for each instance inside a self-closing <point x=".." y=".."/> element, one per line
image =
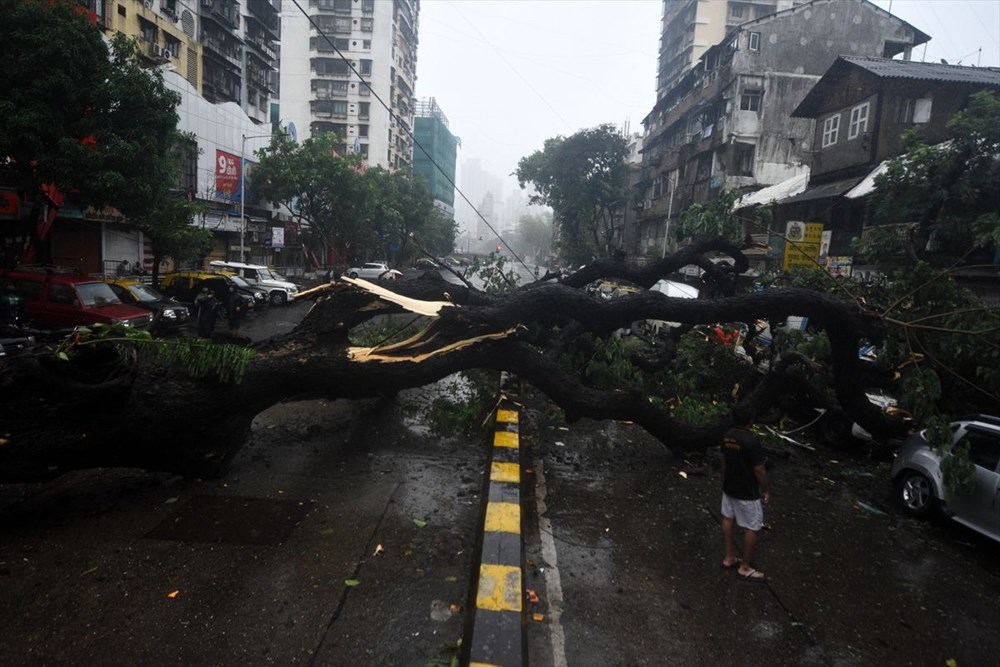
<point x="727" y="122"/>
<point x="691" y="27"/>
<point x="339" y="62"/>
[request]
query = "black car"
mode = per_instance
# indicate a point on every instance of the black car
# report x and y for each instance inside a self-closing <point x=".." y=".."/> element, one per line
<point x="168" y="313"/>
<point x="185" y="286"/>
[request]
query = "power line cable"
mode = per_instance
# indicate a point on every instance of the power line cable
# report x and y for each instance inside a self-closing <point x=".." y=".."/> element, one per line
<point x="406" y="129"/>
<point x="513" y="69"/>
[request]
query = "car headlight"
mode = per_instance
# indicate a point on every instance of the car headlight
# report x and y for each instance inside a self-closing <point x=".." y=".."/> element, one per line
<point x="126" y="323"/>
<point x="170" y="313"/>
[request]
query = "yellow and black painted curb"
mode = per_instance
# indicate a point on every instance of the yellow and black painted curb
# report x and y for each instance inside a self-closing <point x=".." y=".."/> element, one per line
<point x="497" y="630"/>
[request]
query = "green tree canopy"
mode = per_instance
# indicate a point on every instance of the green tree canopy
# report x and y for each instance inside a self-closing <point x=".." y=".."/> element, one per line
<point x="584" y="179"/>
<point x="946" y="196"/>
<point x="363" y="213"/>
<point x="87" y="117"/>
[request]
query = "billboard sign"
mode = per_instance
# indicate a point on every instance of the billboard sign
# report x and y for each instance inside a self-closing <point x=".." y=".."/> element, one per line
<point x="227" y="176"/>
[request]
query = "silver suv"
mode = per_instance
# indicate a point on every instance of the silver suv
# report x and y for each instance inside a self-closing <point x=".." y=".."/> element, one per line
<point x="917" y="474"/>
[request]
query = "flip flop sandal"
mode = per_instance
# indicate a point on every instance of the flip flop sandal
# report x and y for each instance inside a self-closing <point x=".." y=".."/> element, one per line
<point x="749" y="578"/>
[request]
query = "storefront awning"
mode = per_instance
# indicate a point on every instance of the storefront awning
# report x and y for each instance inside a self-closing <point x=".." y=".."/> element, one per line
<point x="774" y="193"/>
<point x="867" y="184"/>
<point x="824" y="191"/>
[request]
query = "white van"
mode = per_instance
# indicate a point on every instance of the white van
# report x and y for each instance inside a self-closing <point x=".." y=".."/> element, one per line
<point x="279" y="290"/>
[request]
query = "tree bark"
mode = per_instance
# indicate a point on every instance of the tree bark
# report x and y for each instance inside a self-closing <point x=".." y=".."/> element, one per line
<point x="133" y="414"/>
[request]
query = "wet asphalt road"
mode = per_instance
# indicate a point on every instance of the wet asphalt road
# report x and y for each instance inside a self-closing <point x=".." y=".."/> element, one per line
<point x="343" y="534"/>
<point x="624" y="555"/>
<point x="635" y="553"/>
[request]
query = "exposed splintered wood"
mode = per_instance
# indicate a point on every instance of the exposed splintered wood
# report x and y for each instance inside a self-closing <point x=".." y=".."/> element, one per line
<point x="149" y="416"/>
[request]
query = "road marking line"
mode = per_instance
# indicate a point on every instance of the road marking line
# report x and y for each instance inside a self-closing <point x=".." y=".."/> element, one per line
<point x="553" y="584"/>
<point x="505" y="472"/>
<point x="503" y="518"/>
<point x="482" y="664"/>
<point x="499" y="588"/>
<point x="505" y="439"/>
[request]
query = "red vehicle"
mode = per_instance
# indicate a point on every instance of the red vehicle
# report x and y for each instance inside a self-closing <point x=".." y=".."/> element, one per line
<point x="56" y="298"/>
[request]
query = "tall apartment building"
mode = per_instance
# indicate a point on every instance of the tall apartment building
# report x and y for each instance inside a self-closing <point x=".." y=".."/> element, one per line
<point x="690" y="27"/>
<point x="435" y="164"/>
<point x="321" y="91"/>
<point x="227" y="50"/>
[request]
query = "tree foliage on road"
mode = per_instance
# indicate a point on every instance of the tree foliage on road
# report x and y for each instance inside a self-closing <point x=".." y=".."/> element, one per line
<point x="87" y="117"/>
<point x="584" y="179"/>
<point x="361" y="212"/>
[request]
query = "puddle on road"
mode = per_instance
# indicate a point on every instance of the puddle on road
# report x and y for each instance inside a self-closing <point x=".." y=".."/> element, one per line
<point x="455" y="388"/>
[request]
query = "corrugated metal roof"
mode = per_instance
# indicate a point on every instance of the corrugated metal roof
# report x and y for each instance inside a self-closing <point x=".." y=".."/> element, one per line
<point x="908" y="69"/>
<point x="824" y="190"/>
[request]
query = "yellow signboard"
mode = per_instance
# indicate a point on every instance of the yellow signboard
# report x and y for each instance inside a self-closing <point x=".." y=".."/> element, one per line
<point x="802" y="244"/>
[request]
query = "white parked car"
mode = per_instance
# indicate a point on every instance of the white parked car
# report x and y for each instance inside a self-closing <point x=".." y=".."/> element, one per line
<point x="374" y="271"/>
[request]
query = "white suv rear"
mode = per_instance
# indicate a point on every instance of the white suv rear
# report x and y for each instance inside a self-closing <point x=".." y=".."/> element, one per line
<point x="279" y="291"/>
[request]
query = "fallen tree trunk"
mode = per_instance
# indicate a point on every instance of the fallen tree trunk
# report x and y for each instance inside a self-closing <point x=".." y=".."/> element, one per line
<point x="150" y="416"/>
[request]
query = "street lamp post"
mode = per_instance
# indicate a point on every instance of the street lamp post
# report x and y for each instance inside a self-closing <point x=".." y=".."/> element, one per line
<point x="243" y="194"/>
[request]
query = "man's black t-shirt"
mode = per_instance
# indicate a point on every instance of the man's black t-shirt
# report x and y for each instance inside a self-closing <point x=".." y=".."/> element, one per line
<point x="741" y="452"/>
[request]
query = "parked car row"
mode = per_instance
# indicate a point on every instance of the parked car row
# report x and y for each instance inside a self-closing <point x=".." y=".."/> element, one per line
<point x="58" y="298"/>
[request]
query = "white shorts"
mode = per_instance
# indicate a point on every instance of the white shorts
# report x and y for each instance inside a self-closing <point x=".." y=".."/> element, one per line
<point x="749" y="514"/>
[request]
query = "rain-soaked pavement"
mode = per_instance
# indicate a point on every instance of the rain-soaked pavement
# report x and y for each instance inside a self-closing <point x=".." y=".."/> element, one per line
<point x="343" y="534"/>
<point x="123" y="567"/>
<point x="625" y="558"/>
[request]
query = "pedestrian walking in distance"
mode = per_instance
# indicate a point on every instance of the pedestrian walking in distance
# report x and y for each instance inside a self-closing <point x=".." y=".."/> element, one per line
<point x="208" y="311"/>
<point x="234" y="310"/>
<point x="745" y="491"/>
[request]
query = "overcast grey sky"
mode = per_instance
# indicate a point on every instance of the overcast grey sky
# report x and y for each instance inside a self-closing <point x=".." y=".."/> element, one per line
<point x="511" y="73"/>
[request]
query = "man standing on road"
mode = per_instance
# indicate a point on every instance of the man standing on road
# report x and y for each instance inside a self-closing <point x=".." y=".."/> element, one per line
<point x="744" y="492"/>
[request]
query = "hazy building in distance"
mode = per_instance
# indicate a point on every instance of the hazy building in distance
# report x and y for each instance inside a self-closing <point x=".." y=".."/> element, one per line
<point x="475" y="183"/>
<point x="322" y="68"/>
<point x="435" y="154"/>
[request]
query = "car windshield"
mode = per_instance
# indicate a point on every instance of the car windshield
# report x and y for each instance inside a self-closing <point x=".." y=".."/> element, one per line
<point x="239" y="282"/>
<point x="265" y="274"/>
<point x="145" y="293"/>
<point x="96" y="294"/>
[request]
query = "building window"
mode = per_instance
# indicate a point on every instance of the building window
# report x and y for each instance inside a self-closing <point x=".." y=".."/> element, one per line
<point x="750" y="100"/>
<point x="366" y="67"/>
<point x="367" y="25"/>
<point x="859" y="121"/>
<point x="831" y="128"/>
<point x="147" y="31"/>
<point x="366" y="44"/>
<point x="754" y="43"/>
<point x="922" y="110"/>
<point x="744" y="154"/>
<point x="363" y="130"/>
<point x="364" y="110"/>
<point x="736" y="11"/>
